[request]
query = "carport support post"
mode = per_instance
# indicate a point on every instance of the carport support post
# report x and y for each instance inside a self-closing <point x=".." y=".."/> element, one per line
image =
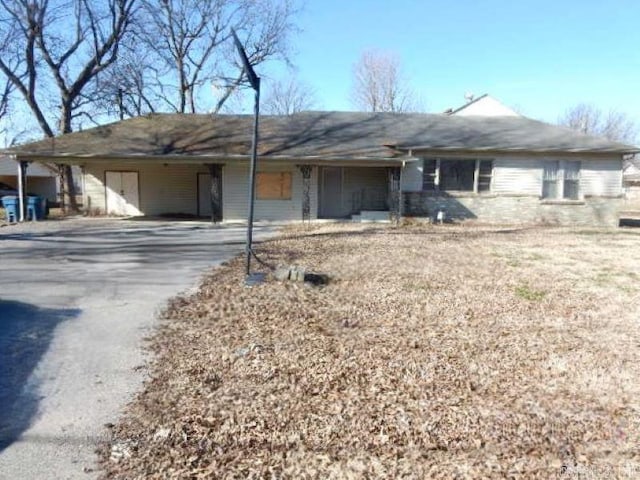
<point x="215" y="191"/>
<point x="395" y="195"/>
<point x="306" y="187"/>
<point x="22" y="187"/>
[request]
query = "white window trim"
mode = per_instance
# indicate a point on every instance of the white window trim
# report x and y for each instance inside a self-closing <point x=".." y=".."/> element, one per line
<point x="560" y="181"/>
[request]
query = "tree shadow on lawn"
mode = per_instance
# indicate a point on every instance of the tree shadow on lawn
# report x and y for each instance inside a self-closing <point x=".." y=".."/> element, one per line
<point x="445" y="232"/>
<point x="26" y="331"/>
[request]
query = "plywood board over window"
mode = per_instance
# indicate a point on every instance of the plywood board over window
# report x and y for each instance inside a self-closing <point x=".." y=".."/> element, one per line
<point x="273" y="185"/>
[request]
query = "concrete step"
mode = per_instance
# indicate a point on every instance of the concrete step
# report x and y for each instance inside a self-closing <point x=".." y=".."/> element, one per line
<point x="371" y="216"/>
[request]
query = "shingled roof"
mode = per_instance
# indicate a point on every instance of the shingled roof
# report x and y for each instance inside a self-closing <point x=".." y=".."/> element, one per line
<point x="326" y="135"/>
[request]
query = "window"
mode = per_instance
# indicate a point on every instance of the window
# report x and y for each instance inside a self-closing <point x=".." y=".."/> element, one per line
<point x="430" y="172"/>
<point x="550" y="180"/>
<point x="485" y="173"/>
<point x="561" y="180"/>
<point x="273" y="185"/>
<point x="457" y="175"/>
<point x="572" y="180"/>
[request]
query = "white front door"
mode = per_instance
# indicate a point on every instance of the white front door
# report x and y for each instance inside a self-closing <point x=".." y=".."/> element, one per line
<point x="122" y="193"/>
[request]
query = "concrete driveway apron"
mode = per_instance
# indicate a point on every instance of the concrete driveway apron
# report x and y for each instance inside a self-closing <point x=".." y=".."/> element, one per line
<point x="77" y="298"/>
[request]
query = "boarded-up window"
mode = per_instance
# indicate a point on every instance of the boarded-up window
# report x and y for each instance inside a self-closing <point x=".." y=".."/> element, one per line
<point x="273" y="186"/>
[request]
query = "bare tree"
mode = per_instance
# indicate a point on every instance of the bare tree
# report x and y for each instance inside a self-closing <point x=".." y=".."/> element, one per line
<point x="288" y="97"/>
<point x="52" y="51"/>
<point x="588" y="119"/>
<point x="188" y="42"/>
<point x="380" y="86"/>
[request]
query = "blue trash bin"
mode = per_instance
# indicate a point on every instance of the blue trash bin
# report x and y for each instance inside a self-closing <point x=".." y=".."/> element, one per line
<point x="11" y="208"/>
<point x="35" y="210"/>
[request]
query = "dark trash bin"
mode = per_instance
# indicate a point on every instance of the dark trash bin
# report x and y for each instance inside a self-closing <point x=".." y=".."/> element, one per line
<point x="36" y="208"/>
<point x="11" y="208"/>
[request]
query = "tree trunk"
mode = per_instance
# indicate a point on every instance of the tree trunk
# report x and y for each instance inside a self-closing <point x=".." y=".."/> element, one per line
<point x="68" y="201"/>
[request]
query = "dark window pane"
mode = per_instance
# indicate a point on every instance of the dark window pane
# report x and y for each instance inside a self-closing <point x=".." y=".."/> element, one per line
<point x="484" y="176"/>
<point x="484" y="184"/>
<point x="486" y="167"/>
<point x="457" y="175"/>
<point x="429" y="166"/>
<point x="429" y="184"/>
<point x="572" y="189"/>
<point x="549" y="189"/>
<point x="429" y="174"/>
<point x="550" y="180"/>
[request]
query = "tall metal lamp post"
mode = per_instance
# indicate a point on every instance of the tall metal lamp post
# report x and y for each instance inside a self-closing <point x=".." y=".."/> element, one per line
<point x="254" y="80"/>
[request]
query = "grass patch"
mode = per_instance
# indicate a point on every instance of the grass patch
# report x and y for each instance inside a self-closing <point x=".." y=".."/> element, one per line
<point x="531" y="294"/>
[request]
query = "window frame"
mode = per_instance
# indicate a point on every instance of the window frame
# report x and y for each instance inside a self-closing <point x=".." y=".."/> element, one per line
<point x="562" y="177"/>
<point x="434" y="174"/>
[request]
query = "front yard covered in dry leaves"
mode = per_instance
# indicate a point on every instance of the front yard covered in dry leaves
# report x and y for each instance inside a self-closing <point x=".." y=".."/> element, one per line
<point x="435" y="352"/>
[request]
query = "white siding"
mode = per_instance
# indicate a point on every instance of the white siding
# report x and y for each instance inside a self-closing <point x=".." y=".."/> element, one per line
<point x="163" y="189"/>
<point x="486" y="106"/>
<point x="521" y="176"/>
<point x="235" y="194"/>
<point x="173" y="189"/>
<point x="8" y="166"/>
<point x="412" y="176"/>
<point x="601" y="177"/>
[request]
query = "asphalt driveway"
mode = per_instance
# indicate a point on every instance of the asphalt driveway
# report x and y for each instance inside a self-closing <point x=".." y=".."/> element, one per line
<point x="77" y="298"/>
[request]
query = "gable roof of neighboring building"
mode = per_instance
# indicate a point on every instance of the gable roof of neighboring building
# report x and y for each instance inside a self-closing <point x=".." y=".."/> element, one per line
<point x="344" y="135"/>
<point x="484" y="105"/>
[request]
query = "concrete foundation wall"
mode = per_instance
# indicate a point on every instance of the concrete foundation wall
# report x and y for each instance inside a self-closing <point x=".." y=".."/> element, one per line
<point x="513" y="209"/>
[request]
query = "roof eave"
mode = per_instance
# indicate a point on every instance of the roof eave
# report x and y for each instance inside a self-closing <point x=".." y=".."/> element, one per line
<point x="81" y="158"/>
<point x="435" y="149"/>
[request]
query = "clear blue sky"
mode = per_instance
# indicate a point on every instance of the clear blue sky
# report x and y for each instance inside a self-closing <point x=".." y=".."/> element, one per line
<point x="541" y="56"/>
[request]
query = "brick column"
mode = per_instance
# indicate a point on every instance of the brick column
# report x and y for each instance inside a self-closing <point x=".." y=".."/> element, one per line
<point x="306" y="187"/>
<point x="215" y="170"/>
<point x="394" y="193"/>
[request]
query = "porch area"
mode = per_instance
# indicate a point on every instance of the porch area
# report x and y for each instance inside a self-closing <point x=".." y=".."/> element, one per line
<point x="358" y="193"/>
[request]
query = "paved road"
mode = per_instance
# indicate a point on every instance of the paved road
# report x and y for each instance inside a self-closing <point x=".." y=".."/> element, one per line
<point x="77" y="298"/>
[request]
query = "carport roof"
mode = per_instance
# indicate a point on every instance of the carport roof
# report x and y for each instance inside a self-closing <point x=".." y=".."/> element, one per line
<point x="319" y="135"/>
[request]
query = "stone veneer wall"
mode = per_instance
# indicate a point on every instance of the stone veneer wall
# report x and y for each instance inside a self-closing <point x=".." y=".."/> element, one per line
<point x="593" y="211"/>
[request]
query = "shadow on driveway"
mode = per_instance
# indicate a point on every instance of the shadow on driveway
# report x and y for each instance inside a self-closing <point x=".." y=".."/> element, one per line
<point x="25" y="334"/>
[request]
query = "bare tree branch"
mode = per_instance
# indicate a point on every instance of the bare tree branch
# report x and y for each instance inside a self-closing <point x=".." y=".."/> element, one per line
<point x="588" y="119"/>
<point x="44" y="57"/>
<point x="189" y="40"/>
<point x="379" y="86"/>
<point x="288" y="97"/>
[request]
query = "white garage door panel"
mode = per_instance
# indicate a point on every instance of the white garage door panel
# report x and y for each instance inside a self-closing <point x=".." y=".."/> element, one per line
<point x="122" y="193"/>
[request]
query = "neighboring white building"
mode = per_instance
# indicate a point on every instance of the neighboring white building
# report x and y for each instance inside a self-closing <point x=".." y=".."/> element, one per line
<point x="486" y="106"/>
<point x="41" y="178"/>
<point x="506" y="169"/>
<point x="631" y="181"/>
